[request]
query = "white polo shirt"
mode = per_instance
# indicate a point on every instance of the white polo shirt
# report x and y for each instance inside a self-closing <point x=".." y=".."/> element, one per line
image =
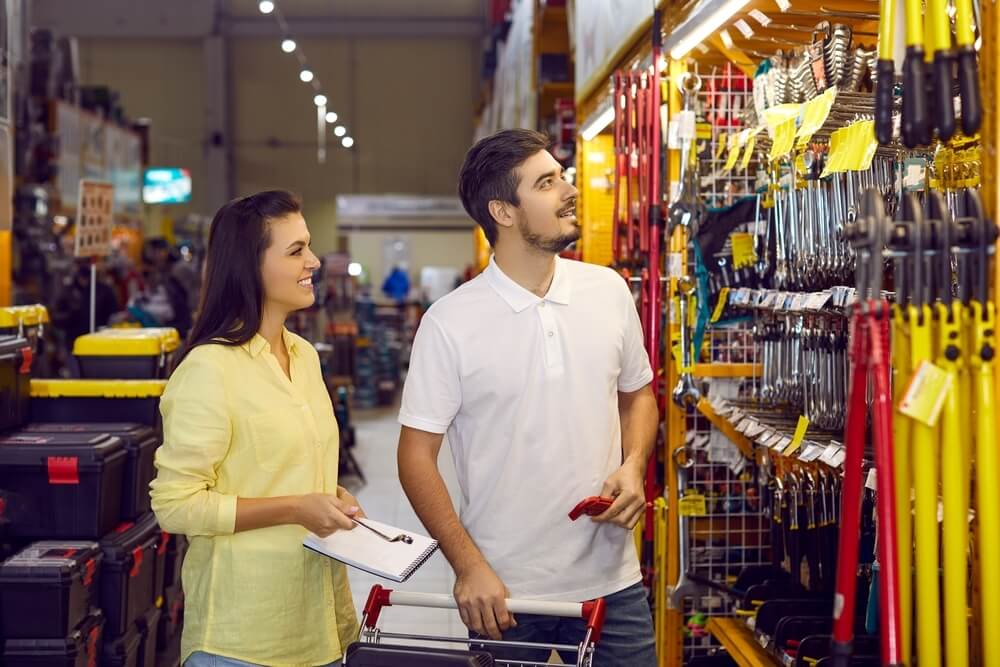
<point x="527" y="390"/>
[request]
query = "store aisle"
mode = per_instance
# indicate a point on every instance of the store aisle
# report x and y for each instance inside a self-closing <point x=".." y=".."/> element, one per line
<point x="383" y="499"/>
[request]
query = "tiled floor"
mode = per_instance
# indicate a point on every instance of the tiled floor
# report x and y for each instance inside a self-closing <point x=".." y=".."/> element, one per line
<point x="383" y="500"/>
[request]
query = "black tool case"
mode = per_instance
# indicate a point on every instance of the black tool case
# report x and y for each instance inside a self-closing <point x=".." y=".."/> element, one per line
<point x="140" y="442"/>
<point x="60" y="486"/>
<point x="128" y="572"/>
<point x="48" y="588"/>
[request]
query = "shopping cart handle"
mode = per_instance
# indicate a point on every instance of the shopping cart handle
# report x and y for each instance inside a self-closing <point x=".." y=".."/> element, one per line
<point x="593" y="610"/>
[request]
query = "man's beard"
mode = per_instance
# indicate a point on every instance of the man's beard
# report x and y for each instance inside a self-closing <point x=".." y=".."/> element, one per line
<point x="552" y="244"/>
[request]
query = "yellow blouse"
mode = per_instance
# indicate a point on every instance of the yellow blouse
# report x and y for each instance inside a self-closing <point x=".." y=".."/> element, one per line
<point x="235" y="425"/>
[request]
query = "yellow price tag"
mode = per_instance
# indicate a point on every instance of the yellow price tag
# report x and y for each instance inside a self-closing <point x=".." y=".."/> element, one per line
<point x="782" y="139"/>
<point x="735" y="143"/>
<point x="748" y="151"/>
<point x="800" y="434"/>
<point x="814" y="115"/>
<point x="720" y="305"/>
<point x="924" y="397"/>
<point x="867" y="142"/>
<point x="743" y="251"/>
<point x="693" y="504"/>
<point x="720" y="147"/>
<point x="835" y="155"/>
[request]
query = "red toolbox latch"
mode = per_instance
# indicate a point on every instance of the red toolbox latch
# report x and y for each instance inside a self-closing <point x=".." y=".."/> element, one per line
<point x="137" y="555"/>
<point x="164" y="541"/>
<point x="63" y="469"/>
<point x="88" y="574"/>
<point x="27" y="357"/>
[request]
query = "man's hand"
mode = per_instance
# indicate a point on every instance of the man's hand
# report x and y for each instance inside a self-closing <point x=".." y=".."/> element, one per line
<point x="482" y="601"/>
<point x="324" y="513"/>
<point x="626" y="487"/>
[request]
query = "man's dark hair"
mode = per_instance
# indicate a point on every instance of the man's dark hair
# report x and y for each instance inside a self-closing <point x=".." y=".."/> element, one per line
<point x="488" y="173"/>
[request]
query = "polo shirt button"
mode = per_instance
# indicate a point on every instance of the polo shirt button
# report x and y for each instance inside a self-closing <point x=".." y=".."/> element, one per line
<point x="541" y="305"/>
<point x="551" y="334"/>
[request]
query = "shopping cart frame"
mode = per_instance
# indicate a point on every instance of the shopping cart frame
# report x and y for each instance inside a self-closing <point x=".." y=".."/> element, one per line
<point x="592" y="612"/>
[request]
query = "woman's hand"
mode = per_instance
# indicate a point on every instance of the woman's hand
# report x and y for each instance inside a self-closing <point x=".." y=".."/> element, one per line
<point x="324" y="513"/>
<point x="349" y="498"/>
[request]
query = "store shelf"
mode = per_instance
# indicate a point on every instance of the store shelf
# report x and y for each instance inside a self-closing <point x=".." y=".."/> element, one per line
<point x="719" y="422"/>
<point x="727" y="370"/>
<point x="739" y="641"/>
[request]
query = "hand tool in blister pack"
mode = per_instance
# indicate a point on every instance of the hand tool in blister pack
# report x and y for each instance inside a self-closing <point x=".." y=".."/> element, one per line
<point x="869" y="351"/>
<point x="686" y="394"/>
<point x="371" y="645"/>
<point x="684" y="586"/>
<point x="977" y="236"/>
<point x="687" y="210"/>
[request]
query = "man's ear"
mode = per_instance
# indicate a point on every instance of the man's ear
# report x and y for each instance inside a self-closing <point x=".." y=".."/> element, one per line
<point x="500" y="210"/>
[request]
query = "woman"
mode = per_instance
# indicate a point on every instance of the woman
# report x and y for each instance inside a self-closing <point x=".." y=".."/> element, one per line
<point x="249" y="456"/>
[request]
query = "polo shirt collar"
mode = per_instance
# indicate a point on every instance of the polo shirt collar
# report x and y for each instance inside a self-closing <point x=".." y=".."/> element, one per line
<point x="518" y="298"/>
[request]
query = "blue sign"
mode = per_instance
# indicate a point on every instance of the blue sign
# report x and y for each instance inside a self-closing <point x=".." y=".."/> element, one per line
<point x="166" y="185"/>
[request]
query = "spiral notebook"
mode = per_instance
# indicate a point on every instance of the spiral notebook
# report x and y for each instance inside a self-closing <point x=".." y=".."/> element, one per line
<point x="367" y="551"/>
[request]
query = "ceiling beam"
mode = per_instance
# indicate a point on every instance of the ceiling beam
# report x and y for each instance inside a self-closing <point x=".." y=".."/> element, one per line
<point x="374" y="26"/>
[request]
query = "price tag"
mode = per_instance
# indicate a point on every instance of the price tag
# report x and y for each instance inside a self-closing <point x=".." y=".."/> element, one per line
<point x="720" y="305"/>
<point x="748" y="151"/>
<point x="686" y="130"/>
<point x="926" y="393"/>
<point x="693" y="504"/>
<point x="782" y="444"/>
<point x="798" y="437"/>
<point x="743" y="251"/>
<point x="782" y="139"/>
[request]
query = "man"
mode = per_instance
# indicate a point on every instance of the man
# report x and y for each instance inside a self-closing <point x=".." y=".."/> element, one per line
<point x="537" y="372"/>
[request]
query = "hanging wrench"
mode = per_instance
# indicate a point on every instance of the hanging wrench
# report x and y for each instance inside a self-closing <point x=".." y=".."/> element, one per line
<point x="686" y="393"/>
<point x="688" y="210"/>
<point x="684" y="586"/>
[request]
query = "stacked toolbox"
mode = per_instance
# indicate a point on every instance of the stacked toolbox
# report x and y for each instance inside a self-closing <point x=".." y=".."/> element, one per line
<point x="48" y="597"/>
<point x="16" y="358"/>
<point x="127" y="354"/>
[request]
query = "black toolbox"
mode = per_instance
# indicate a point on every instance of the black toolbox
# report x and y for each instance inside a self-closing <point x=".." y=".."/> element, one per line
<point x="172" y="618"/>
<point x="127" y="574"/>
<point x="132" y="354"/>
<point x="114" y="401"/>
<point x="163" y="541"/>
<point x="176" y="548"/>
<point x="82" y="648"/>
<point x="149" y="627"/>
<point x="124" y="651"/>
<point x="140" y="443"/>
<point x="15" y="381"/>
<point x="48" y="588"/>
<point x="65" y="486"/>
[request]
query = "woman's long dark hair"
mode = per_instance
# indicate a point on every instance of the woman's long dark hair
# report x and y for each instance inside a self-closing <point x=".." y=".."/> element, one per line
<point x="232" y="292"/>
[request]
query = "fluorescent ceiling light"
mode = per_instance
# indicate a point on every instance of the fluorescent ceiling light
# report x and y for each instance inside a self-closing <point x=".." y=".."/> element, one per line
<point x="265" y="6"/>
<point x="340" y="130"/>
<point x="707" y="17"/>
<point x="320" y="100"/>
<point x="596" y="123"/>
<point x="306" y="75"/>
<point x="331" y="117"/>
<point x="288" y="45"/>
<point x="347" y="142"/>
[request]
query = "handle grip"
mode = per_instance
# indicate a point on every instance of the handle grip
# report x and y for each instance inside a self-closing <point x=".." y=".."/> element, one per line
<point x="916" y="121"/>
<point x="944" y="105"/>
<point x="968" y="85"/>
<point x="884" y="80"/>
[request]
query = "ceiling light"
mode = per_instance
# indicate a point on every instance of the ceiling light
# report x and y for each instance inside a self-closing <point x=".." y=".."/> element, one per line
<point x="306" y="75"/>
<point x="347" y="142"/>
<point x="697" y="27"/>
<point x="265" y="6"/>
<point x="354" y="269"/>
<point x="340" y="130"/>
<point x="331" y="117"/>
<point x="320" y="100"/>
<point x="288" y="45"/>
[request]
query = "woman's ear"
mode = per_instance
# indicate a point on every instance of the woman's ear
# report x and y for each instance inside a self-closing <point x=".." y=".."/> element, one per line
<point x="501" y="213"/>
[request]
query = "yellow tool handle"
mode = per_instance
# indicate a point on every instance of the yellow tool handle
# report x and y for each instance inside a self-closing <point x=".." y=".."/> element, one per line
<point x="901" y="429"/>
<point x="914" y="23"/>
<point x="987" y="483"/>
<point x="938" y="26"/>
<point x="964" y="35"/>
<point x="925" y="484"/>
<point x="954" y="493"/>
<point x="886" y="28"/>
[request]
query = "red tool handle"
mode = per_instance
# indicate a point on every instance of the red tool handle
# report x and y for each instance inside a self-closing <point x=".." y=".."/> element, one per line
<point x="592" y="506"/>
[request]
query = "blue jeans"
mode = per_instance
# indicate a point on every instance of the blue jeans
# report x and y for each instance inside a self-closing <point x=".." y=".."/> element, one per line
<point x="626" y="641"/>
<point x="202" y="659"/>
